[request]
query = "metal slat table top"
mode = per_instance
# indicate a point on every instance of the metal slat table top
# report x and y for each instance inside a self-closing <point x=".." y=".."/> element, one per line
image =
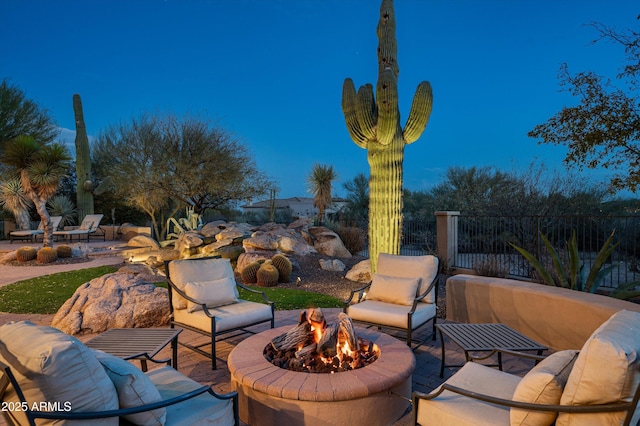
<point x="130" y="343"/>
<point x="486" y="337"/>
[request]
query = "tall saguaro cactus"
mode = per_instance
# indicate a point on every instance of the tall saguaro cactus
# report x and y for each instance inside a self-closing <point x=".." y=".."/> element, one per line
<point x="374" y="124"/>
<point x="84" y="188"/>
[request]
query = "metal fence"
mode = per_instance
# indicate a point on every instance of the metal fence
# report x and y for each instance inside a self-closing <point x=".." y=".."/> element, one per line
<point x="484" y="242"/>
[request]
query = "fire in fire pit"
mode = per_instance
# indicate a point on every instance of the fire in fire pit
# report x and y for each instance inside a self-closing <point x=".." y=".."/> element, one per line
<point x="314" y="346"/>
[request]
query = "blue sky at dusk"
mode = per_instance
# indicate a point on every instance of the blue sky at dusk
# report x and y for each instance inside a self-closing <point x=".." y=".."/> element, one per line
<point x="271" y="72"/>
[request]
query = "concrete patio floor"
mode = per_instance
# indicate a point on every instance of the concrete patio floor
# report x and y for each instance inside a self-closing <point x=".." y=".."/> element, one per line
<point x="425" y="377"/>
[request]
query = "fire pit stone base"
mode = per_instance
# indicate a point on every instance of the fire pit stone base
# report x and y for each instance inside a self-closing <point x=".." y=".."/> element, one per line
<point x="377" y="394"/>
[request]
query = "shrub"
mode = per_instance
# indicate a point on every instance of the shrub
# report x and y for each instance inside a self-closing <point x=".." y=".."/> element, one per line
<point x="354" y="239"/>
<point x="491" y="266"/>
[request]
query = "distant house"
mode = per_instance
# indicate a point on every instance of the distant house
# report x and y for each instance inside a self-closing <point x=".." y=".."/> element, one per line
<point x="299" y="206"/>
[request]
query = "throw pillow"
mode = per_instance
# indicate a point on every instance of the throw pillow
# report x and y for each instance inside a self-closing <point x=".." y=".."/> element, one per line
<point x="51" y="366"/>
<point x="211" y="293"/>
<point x="182" y="271"/>
<point x="424" y="267"/>
<point x="543" y="384"/>
<point x="134" y="388"/>
<point x="396" y="290"/>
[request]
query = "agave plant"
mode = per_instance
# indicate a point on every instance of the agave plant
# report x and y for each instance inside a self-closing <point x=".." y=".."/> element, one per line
<point x="575" y="276"/>
<point x="61" y="205"/>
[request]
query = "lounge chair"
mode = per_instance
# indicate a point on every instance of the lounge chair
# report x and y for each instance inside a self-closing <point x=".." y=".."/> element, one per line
<point x="401" y="296"/>
<point x="47" y="374"/>
<point x="598" y="385"/>
<point x="203" y="297"/>
<point x="32" y="234"/>
<point x="90" y="226"/>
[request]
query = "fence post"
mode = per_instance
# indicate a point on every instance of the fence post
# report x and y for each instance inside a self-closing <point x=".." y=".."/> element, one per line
<point x="447" y="236"/>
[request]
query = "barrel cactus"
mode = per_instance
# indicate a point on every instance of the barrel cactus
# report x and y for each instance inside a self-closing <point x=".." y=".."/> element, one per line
<point x="284" y="267"/>
<point x="267" y="275"/>
<point x="64" y="251"/>
<point x="249" y="273"/>
<point x="26" y="253"/>
<point x="47" y="255"/>
<point x="374" y="125"/>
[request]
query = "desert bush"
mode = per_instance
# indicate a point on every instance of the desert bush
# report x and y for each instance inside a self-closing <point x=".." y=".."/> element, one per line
<point x="354" y="239"/>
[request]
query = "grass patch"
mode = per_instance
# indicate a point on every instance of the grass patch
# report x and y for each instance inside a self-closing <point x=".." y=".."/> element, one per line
<point x="45" y="294"/>
<point x="289" y="299"/>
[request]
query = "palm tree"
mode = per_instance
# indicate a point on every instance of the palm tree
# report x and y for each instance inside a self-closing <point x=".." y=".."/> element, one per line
<point x="13" y="199"/>
<point x="319" y="181"/>
<point x="40" y="166"/>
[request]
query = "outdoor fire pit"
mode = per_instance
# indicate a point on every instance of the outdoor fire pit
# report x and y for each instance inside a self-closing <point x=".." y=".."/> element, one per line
<point x="376" y="393"/>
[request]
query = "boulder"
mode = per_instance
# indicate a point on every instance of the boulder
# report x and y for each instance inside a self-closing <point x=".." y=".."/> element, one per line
<point x="113" y="301"/>
<point x="301" y="224"/>
<point x="230" y="234"/>
<point x="143" y="241"/>
<point x="328" y="242"/>
<point x="211" y="229"/>
<point x="214" y="247"/>
<point x="260" y="241"/>
<point x="360" y="272"/>
<point x="188" y="242"/>
<point x="333" y="265"/>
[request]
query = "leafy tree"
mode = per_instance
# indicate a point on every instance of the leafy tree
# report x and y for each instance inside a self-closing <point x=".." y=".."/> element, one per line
<point x="604" y="129"/>
<point x="20" y="116"/>
<point x="320" y="180"/>
<point x="40" y="167"/>
<point x="357" y="206"/>
<point x="160" y="164"/>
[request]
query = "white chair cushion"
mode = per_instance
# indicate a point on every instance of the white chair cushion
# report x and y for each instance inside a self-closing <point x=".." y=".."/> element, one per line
<point x="194" y="270"/>
<point x="133" y="388"/>
<point x="227" y="317"/>
<point x="204" y="409"/>
<point x="453" y="409"/>
<point x="212" y="293"/>
<point x="85" y="225"/>
<point x="543" y="384"/>
<point x="52" y="366"/>
<point x="425" y="267"/>
<point x="606" y="370"/>
<point x="390" y="314"/>
<point x="396" y="290"/>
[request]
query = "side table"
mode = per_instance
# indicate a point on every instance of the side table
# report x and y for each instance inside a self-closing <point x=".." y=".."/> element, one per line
<point x="138" y="343"/>
<point x="485" y="338"/>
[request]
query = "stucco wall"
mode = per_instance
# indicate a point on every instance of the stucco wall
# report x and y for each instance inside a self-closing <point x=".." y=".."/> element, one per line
<point x="556" y="317"/>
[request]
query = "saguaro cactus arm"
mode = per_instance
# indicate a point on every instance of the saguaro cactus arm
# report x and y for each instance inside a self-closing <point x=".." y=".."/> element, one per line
<point x="349" y="108"/>
<point x="419" y="114"/>
<point x="367" y="111"/>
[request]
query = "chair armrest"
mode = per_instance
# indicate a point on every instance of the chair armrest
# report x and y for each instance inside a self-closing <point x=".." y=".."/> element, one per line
<point x="57" y="415"/>
<point x="360" y="292"/>
<point x="251" y="290"/>
<point x="595" y="408"/>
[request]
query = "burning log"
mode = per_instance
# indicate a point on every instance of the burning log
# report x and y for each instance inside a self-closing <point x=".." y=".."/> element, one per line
<point x="298" y="336"/>
<point x="328" y="344"/>
<point x="346" y="328"/>
<point x="306" y="351"/>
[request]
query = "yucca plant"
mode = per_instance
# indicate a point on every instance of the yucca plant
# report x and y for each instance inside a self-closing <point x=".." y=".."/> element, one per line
<point x="61" y="205"/>
<point x="572" y="275"/>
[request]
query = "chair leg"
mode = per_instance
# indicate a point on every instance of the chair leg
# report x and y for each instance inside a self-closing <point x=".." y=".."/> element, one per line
<point x="213" y="344"/>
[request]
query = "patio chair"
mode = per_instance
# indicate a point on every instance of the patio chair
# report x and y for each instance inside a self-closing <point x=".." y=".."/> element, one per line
<point x="402" y="295"/>
<point x="203" y="297"/>
<point x="598" y="385"/>
<point x="90" y="226"/>
<point x="52" y="378"/>
<point x="31" y="235"/>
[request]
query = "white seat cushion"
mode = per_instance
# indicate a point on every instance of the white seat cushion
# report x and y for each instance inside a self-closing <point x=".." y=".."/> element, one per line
<point x="606" y="370"/>
<point x="390" y="314"/>
<point x="453" y="409"/>
<point x="425" y="267"/>
<point x="52" y="366"/>
<point x="395" y="290"/>
<point x="227" y="317"/>
<point x="202" y="410"/>
<point x="543" y="384"/>
<point x="134" y="389"/>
